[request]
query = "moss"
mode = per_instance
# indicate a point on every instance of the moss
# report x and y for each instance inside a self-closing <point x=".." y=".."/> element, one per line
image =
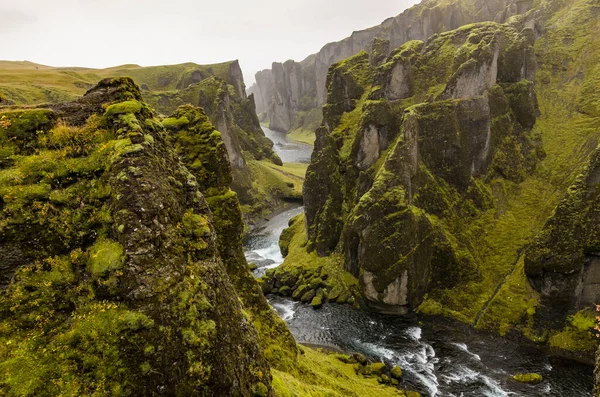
<point x="317" y="301"/>
<point x="532" y="379"/>
<point x="396" y="372"/>
<point x="106" y="256"/>
<point x="172" y="123"/>
<point x="124" y="108"/>
<point x="22" y="127"/>
<point x="376" y="368"/>
<point x="320" y="373"/>
<point x="78" y="315"/>
<point x="196" y="225"/>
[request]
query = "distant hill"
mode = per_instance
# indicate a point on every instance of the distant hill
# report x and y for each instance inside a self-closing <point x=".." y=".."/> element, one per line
<point x="218" y="88"/>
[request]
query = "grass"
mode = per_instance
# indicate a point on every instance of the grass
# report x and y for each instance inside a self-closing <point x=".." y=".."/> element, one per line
<point x="26" y="83"/>
<point x="302" y="136"/>
<point x="319" y="373"/>
<point x="275" y="180"/>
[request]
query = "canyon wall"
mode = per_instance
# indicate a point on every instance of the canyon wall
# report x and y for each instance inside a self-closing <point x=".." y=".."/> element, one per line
<point x="281" y="90"/>
<point x="458" y="177"/>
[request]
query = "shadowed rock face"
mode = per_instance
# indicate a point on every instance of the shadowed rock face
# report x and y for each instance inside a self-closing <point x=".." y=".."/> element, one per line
<point x="278" y="91"/>
<point x="119" y="272"/>
<point x="563" y="263"/>
<point x="401" y="143"/>
<point x="597" y="374"/>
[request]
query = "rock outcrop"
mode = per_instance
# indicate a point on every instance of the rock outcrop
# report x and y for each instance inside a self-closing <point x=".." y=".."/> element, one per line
<point x="279" y="91"/>
<point x="116" y="283"/>
<point x="203" y="152"/>
<point x="386" y="176"/>
<point x="563" y="263"/>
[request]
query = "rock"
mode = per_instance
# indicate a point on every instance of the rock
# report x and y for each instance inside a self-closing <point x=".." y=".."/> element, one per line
<point x="308" y="296"/>
<point x="396" y="372"/>
<point x="317" y="302"/>
<point x="252" y="266"/>
<point x="334" y="293"/>
<point x="283" y="90"/>
<point x="300" y="291"/>
<point x="166" y="269"/>
<point x="387" y="228"/>
<point x="343" y="297"/>
<point x="285" y="291"/>
<point x="359" y="358"/>
<point x="384" y="379"/>
<point x="346" y="359"/>
<point x="532" y="379"/>
<point x="315" y="283"/>
<point x="563" y="263"/>
<point x="377" y="368"/>
<point x="289" y="280"/>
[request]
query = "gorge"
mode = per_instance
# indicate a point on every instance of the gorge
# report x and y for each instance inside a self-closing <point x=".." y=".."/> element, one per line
<point x="438" y="238"/>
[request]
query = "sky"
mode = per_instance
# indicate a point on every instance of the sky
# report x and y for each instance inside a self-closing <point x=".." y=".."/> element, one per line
<point x="103" y="33"/>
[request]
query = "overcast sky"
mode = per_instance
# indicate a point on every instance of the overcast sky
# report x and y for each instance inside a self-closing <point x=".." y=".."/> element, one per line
<point x="102" y="33"/>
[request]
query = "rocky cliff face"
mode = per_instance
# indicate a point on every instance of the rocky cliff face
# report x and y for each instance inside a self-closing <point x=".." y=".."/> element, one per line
<point x="279" y="92"/>
<point x="116" y="280"/>
<point x="440" y="170"/>
<point x="395" y="172"/>
<point x="204" y="153"/>
<point x="563" y="263"/>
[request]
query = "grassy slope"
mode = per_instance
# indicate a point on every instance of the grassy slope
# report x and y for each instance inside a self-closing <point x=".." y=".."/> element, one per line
<point x="321" y="374"/>
<point x="569" y="137"/>
<point x="27" y="83"/>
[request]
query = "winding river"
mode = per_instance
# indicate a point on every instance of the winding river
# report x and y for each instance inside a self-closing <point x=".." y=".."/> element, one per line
<point x="439" y="357"/>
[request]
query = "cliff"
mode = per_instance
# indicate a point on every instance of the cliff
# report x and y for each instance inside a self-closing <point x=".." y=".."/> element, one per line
<point x="98" y="296"/>
<point x="457" y="177"/>
<point x="288" y="94"/>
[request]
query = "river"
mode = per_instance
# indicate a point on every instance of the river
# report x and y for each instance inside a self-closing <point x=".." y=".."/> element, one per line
<point x="439" y="357"/>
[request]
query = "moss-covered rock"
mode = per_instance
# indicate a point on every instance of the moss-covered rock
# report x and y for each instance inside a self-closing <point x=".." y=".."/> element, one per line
<point x="563" y="262"/>
<point x="120" y="274"/>
<point x="396" y="372"/>
<point x="403" y="152"/>
<point x="202" y="150"/>
<point x="532" y="379"/>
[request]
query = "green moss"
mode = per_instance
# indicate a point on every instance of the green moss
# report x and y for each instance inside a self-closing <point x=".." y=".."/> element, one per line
<point x="319" y="373"/>
<point x="584" y="320"/>
<point x="106" y="256"/>
<point x="172" y="123"/>
<point x="396" y="372"/>
<point x="532" y="379"/>
<point x="132" y="106"/>
<point x="196" y="225"/>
